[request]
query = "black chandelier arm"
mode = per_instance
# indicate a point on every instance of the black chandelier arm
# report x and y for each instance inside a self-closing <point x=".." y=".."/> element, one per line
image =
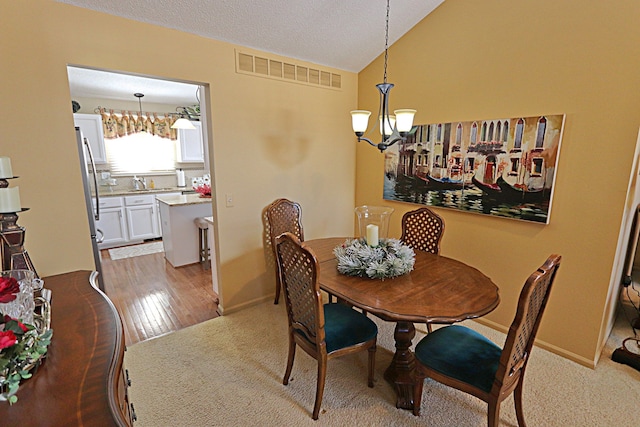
<point x="384" y="144"/>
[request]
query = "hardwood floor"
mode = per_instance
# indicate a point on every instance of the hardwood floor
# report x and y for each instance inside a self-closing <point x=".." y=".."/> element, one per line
<point x="153" y="298"/>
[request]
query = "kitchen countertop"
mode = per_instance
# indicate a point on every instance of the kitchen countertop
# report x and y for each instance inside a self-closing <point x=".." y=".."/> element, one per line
<point x="107" y="191"/>
<point x="185" y="199"/>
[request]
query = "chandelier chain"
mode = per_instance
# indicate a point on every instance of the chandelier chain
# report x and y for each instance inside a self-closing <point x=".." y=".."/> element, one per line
<point x="386" y="43"/>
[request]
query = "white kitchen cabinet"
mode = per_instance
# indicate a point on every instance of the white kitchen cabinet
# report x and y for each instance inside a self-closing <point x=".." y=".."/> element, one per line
<point x="191" y="144"/>
<point x="158" y="209"/>
<point x="142" y="217"/>
<point x="112" y="222"/>
<point x="179" y="231"/>
<point x="91" y="126"/>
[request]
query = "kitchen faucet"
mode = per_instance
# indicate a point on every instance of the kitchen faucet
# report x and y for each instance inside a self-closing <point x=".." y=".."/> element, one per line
<point x="139" y="181"/>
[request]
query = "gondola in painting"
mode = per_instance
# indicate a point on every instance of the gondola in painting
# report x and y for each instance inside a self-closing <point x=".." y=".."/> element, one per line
<point x="499" y="167"/>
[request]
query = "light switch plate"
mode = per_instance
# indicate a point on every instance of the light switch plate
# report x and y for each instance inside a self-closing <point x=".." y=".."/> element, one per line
<point x="228" y="200"/>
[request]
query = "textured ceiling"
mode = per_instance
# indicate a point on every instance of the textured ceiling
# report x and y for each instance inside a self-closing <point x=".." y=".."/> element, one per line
<point x="344" y="34"/>
<point x="87" y="83"/>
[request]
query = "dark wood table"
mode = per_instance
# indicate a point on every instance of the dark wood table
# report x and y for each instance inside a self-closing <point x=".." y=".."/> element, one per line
<point x="438" y="290"/>
<point x="82" y="380"/>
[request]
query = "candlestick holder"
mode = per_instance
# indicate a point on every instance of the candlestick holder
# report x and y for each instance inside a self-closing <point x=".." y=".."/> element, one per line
<point x="12" y="252"/>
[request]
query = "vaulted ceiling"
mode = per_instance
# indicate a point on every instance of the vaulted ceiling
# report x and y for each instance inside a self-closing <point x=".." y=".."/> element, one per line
<point x="344" y="34"/>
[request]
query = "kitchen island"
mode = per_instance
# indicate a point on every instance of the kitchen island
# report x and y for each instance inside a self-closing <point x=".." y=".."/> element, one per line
<point x="179" y="231"/>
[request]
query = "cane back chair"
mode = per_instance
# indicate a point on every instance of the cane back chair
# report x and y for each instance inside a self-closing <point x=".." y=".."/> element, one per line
<point x="323" y="331"/>
<point x="422" y="229"/>
<point x="464" y="359"/>
<point x="280" y="216"/>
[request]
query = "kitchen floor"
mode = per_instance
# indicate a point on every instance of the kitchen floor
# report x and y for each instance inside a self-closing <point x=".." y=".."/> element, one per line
<point x="153" y="298"/>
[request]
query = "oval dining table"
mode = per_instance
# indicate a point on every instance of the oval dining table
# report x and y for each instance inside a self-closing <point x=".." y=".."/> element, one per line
<point x="439" y="290"/>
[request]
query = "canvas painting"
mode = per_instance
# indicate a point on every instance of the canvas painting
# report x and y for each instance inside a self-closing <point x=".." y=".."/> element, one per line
<point x="500" y="167"/>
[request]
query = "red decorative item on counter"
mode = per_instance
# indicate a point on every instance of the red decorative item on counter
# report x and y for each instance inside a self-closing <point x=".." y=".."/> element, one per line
<point x="204" y="190"/>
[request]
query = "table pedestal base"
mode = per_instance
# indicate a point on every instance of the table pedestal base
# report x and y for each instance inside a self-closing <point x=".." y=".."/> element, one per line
<point x="400" y="373"/>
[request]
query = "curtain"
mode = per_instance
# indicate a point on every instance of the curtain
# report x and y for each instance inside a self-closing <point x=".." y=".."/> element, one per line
<point x="118" y="125"/>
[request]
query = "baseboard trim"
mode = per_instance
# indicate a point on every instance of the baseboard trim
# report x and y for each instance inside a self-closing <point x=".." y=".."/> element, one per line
<point x="543" y="344"/>
<point x="234" y="308"/>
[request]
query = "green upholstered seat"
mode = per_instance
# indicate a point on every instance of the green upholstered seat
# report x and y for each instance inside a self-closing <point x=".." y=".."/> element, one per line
<point x="464" y="359"/>
<point x="344" y="327"/>
<point x="461" y="353"/>
<point x="324" y="331"/>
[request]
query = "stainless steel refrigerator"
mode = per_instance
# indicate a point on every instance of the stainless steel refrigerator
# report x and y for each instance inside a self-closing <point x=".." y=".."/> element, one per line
<point x="90" y="184"/>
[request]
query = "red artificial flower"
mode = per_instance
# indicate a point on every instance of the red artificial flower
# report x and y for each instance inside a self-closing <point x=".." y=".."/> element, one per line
<point x="7" y="339"/>
<point x="21" y="325"/>
<point x="9" y="287"/>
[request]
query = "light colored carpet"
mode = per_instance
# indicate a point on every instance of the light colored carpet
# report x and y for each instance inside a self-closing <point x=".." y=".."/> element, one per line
<point x="228" y="372"/>
<point x="136" y="250"/>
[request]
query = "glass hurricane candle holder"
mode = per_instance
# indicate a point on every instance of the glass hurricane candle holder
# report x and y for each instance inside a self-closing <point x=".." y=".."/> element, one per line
<point x="373" y="223"/>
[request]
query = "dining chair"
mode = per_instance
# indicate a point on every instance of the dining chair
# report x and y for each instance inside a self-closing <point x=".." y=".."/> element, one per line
<point x="466" y="360"/>
<point x="324" y="331"/>
<point x="280" y="216"/>
<point x="422" y="229"/>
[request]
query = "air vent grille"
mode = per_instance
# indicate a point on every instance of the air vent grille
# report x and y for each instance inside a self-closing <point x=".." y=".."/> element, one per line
<point x="262" y="65"/>
<point x="245" y="63"/>
<point x="272" y="68"/>
<point x="276" y="69"/>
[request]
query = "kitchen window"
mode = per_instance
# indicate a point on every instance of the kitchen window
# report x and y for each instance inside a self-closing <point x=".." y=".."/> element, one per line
<point x="140" y="153"/>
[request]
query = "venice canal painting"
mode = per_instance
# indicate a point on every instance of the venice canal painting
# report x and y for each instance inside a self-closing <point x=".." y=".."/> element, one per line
<point x="501" y="167"/>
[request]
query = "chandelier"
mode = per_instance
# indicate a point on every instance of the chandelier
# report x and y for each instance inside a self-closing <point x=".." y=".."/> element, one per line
<point x="393" y="127"/>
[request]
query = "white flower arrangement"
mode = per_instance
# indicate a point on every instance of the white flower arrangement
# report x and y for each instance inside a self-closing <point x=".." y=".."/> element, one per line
<point x="389" y="259"/>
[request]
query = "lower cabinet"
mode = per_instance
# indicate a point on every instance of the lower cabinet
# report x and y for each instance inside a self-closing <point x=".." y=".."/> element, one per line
<point x="112" y="223"/>
<point x="142" y="217"/>
<point x="158" y="209"/>
<point x="127" y="219"/>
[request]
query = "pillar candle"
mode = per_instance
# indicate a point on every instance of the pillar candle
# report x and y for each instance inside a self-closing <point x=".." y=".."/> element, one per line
<point x="372" y="235"/>
<point x="9" y="200"/>
<point x="5" y="168"/>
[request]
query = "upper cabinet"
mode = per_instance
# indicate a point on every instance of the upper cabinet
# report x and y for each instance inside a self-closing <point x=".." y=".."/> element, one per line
<point x="91" y="126"/>
<point x="191" y="145"/>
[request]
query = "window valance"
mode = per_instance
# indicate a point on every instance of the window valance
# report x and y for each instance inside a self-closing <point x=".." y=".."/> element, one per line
<point x="117" y="125"/>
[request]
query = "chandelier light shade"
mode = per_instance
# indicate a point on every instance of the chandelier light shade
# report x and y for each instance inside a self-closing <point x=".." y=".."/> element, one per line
<point x="182" y="123"/>
<point x="360" y="121"/>
<point x="404" y="119"/>
<point x="387" y="124"/>
<point x="392" y="128"/>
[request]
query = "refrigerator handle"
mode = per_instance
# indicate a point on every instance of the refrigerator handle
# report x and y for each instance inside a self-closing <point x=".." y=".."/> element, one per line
<point x="99" y="236"/>
<point x="95" y="178"/>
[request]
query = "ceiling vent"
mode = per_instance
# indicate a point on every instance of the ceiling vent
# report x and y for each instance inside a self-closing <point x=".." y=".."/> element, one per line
<point x="266" y="67"/>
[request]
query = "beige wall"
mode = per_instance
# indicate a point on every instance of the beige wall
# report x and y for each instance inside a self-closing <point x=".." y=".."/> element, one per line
<point x="502" y="58"/>
<point x="270" y="137"/>
<point x="468" y="60"/>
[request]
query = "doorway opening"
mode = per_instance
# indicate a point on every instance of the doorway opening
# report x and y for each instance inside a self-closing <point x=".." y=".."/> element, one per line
<point x="152" y="295"/>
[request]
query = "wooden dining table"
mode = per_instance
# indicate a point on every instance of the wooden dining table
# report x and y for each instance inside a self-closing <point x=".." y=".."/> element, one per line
<point x="439" y="290"/>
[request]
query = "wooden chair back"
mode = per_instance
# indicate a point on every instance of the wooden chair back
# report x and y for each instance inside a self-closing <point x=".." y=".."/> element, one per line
<point x="466" y="360"/>
<point x="298" y="275"/>
<point x="422" y="229"/>
<point x="520" y="338"/>
<point x="324" y="331"/>
<point x="278" y="217"/>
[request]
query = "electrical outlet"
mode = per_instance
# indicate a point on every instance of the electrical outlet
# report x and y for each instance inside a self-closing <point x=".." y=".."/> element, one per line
<point x="228" y="200"/>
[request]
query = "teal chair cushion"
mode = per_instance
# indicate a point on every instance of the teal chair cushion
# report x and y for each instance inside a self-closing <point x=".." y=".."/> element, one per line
<point x="344" y="327"/>
<point x="461" y="353"/>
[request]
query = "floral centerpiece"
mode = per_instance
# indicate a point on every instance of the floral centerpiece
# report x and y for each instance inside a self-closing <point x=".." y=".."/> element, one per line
<point x="390" y="258"/>
<point x="204" y="190"/>
<point x="22" y="346"/>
